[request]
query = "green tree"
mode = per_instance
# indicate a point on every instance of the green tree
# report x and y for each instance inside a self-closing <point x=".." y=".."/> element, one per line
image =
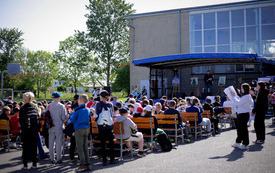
<point x="10" y="41"/>
<point x="108" y="33"/>
<point x="41" y="65"/>
<point x="73" y="59"/>
<point x="122" y="81"/>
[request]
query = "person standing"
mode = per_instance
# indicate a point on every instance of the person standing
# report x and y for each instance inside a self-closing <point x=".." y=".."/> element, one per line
<point x="80" y="118"/>
<point x="58" y="114"/>
<point x="29" y="123"/>
<point x="243" y="106"/>
<point x="208" y="80"/>
<point x="259" y="111"/>
<point x="104" y="118"/>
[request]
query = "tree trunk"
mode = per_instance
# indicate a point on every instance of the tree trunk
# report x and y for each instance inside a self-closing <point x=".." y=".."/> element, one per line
<point x="108" y="70"/>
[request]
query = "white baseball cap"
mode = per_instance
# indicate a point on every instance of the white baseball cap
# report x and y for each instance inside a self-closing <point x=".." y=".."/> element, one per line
<point x="148" y="108"/>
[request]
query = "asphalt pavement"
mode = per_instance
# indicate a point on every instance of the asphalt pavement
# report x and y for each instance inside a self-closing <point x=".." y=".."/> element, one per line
<point x="212" y="154"/>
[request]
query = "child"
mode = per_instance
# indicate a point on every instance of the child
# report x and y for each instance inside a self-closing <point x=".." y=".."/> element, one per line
<point x="130" y="131"/>
<point x="80" y="118"/>
<point x="15" y="129"/>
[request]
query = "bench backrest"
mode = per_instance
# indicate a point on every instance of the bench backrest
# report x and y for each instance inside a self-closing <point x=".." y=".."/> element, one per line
<point x="189" y="116"/>
<point x="206" y="114"/>
<point x="118" y="128"/>
<point x="167" y="119"/>
<point x="228" y="110"/>
<point x="144" y="123"/>
<point x="5" y="125"/>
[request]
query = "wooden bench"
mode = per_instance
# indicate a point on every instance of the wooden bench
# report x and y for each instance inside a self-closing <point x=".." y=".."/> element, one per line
<point x="5" y="138"/>
<point x="164" y="120"/>
<point x="118" y="129"/>
<point x="146" y="123"/>
<point x="207" y="114"/>
<point x="192" y="117"/>
<point x="228" y="111"/>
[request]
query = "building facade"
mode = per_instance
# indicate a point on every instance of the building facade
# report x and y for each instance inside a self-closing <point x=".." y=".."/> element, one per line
<point x="245" y="27"/>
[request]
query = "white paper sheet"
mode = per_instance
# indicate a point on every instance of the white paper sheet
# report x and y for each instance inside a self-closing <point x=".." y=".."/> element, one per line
<point x="228" y="93"/>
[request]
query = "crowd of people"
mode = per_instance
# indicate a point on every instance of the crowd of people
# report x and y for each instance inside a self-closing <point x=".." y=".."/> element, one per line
<point x="76" y="117"/>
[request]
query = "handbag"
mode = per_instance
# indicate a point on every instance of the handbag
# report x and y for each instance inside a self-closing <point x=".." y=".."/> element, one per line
<point x="48" y="119"/>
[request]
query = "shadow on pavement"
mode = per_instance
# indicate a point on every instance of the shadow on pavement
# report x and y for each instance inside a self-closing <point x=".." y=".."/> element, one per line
<point x="255" y="148"/>
<point x="233" y="156"/>
<point x="271" y="133"/>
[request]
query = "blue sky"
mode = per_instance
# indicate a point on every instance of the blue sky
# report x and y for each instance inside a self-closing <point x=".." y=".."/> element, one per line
<point x="46" y="22"/>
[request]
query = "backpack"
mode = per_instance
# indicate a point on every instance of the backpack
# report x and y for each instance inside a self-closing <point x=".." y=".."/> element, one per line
<point x="105" y="118"/>
<point x="164" y="142"/>
<point x="48" y="119"/>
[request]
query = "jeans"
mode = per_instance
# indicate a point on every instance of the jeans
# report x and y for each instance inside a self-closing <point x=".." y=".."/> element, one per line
<point x="206" y="122"/>
<point x="208" y="88"/>
<point x="42" y="154"/>
<point x="242" y="130"/>
<point x="81" y="138"/>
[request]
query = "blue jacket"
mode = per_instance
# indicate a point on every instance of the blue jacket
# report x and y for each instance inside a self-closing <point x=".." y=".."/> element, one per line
<point x="80" y="117"/>
<point x="172" y="112"/>
<point x="194" y="108"/>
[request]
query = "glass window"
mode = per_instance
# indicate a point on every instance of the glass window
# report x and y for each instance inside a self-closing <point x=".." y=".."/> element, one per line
<point x="249" y="67"/>
<point x="222" y="68"/>
<point x="238" y="35"/>
<point x="223" y="19"/>
<point x="268" y="15"/>
<point x="269" y="49"/>
<point x="209" y="37"/>
<point x="239" y="68"/>
<point x="238" y="48"/>
<point x="195" y="38"/>
<point x="210" y="49"/>
<point x="209" y="20"/>
<point x="195" y="22"/>
<point x="237" y="18"/>
<point x="204" y="69"/>
<point x="223" y="36"/>
<point x="268" y="32"/>
<point x="224" y="48"/>
<point x="196" y="69"/>
<point x="252" y="33"/>
<point x="252" y="47"/>
<point x="252" y="16"/>
<point x="196" y="49"/>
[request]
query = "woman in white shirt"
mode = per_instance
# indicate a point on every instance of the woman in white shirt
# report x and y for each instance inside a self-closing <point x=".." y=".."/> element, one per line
<point x="243" y="106"/>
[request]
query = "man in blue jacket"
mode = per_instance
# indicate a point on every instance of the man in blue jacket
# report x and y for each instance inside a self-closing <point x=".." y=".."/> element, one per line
<point x="196" y="107"/>
<point x="80" y="118"/>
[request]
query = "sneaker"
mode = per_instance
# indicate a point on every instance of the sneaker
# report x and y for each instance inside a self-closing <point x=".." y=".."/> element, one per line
<point x="34" y="167"/>
<point x="59" y="162"/>
<point x="72" y="162"/>
<point x="81" y="168"/>
<point x="53" y="162"/>
<point x="88" y="167"/>
<point x="236" y="145"/>
<point x="140" y="154"/>
<point x="187" y="140"/>
<point x="243" y="147"/>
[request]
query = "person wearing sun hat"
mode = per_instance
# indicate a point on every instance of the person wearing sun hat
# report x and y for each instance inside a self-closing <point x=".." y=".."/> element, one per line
<point x="58" y="114"/>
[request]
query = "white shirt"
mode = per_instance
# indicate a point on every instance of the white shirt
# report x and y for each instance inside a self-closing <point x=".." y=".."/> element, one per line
<point x="232" y="106"/>
<point x="243" y="104"/>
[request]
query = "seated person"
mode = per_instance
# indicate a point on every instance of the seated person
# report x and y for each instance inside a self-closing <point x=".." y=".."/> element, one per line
<point x="182" y="106"/>
<point x="148" y="113"/>
<point x="172" y="111"/>
<point x="196" y="107"/>
<point x="116" y="112"/>
<point x="139" y="112"/>
<point x="15" y="129"/>
<point x="208" y="106"/>
<point x="217" y="101"/>
<point x="130" y="131"/>
<point x="131" y="108"/>
<point x="158" y="110"/>
<point x="5" y="113"/>
<point x="229" y="103"/>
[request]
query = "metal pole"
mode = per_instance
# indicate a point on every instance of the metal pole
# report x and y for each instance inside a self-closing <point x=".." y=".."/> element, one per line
<point x="2" y="84"/>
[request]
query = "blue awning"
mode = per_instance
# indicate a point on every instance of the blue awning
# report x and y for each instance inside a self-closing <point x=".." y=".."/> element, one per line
<point x="196" y="58"/>
<point x="266" y="60"/>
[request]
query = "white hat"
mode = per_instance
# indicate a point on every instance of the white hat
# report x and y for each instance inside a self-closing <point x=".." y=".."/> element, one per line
<point x="148" y="108"/>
